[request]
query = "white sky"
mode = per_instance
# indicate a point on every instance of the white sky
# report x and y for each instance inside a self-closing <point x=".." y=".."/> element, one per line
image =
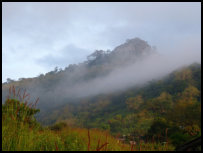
<point x="40" y="36"/>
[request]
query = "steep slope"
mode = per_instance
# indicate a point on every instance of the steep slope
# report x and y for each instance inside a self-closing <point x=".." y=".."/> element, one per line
<point x="171" y="104"/>
<point x="102" y="107"/>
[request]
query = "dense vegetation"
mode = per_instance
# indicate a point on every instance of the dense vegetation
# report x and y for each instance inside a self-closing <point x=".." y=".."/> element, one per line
<point x="164" y="110"/>
<point x="21" y="132"/>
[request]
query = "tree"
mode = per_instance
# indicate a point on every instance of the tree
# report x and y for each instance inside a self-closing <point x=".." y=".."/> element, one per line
<point x="21" y="79"/>
<point x="56" y="69"/>
<point x="161" y="104"/>
<point x="185" y="74"/>
<point x="186" y="112"/>
<point x="190" y="94"/>
<point x="8" y="80"/>
<point x="134" y="103"/>
<point x="95" y="55"/>
<point x="158" y="129"/>
<point x="41" y="75"/>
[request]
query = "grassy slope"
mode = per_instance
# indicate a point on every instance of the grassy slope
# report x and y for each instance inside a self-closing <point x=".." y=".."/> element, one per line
<point x="21" y="132"/>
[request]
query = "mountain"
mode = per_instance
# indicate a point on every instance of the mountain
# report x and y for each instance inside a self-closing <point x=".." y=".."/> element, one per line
<point x="129" y="91"/>
<point x="162" y="110"/>
<point x="129" y="52"/>
<point x="64" y="85"/>
<point x="94" y="111"/>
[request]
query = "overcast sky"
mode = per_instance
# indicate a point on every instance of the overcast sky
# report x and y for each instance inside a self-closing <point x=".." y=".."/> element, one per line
<point x="37" y="37"/>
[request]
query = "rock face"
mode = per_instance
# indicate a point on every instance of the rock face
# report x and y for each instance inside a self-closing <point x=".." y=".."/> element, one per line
<point x="131" y="51"/>
<point x="134" y="46"/>
<point x="127" y="53"/>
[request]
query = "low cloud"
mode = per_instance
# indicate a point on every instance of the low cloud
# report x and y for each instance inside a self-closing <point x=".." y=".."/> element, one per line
<point x="89" y="80"/>
<point x="152" y="68"/>
<point x="75" y="85"/>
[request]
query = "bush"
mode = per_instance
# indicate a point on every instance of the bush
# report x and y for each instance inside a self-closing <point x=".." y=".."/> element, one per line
<point x="58" y="126"/>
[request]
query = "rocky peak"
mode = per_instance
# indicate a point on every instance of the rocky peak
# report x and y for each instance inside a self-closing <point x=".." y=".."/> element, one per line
<point x="134" y="46"/>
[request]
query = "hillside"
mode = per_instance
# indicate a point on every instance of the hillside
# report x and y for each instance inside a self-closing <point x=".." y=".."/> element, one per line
<point x="122" y="92"/>
<point x="70" y="83"/>
<point x="150" y="115"/>
<point x="135" y="111"/>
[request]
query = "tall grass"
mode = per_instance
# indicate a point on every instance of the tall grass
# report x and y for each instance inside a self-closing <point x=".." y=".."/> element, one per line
<point x="21" y="132"/>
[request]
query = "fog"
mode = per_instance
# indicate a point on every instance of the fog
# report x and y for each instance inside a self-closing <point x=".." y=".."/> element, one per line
<point x="154" y="66"/>
<point x="132" y="64"/>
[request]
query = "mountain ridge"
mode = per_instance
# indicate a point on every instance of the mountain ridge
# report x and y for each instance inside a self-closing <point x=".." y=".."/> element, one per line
<point x="99" y="64"/>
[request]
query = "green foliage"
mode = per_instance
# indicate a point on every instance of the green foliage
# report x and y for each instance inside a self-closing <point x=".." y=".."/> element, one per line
<point x="161" y="104"/>
<point x="178" y="138"/>
<point x="158" y="130"/>
<point x="134" y="103"/>
<point x="19" y="112"/>
<point x="18" y="134"/>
